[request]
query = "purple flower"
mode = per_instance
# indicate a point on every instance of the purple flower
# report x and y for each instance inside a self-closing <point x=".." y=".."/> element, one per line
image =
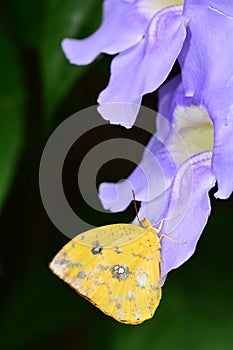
<point x="193" y="144"/>
<point x="148" y="37"/>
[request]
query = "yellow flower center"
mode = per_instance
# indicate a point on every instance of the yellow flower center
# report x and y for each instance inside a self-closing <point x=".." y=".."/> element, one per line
<point x="159" y="5"/>
<point x="150" y="7"/>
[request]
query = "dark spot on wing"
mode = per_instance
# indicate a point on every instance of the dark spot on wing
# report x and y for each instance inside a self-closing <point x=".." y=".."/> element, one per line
<point x="120" y="272"/>
<point x="96" y="250"/>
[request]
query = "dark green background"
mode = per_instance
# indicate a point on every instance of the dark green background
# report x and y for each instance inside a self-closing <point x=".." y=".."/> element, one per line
<point x="38" y="90"/>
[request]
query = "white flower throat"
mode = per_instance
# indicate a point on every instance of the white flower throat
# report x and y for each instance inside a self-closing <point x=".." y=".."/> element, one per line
<point x="151" y="7"/>
<point x="195" y="129"/>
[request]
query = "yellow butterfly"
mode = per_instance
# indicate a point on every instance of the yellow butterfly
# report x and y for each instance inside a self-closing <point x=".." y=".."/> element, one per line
<point x="116" y="267"/>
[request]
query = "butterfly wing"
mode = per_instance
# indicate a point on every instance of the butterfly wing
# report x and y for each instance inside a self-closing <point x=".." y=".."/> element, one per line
<point x="117" y="268"/>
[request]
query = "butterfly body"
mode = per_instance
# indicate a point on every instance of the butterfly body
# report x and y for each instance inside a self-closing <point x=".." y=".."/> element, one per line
<point x="116" y="267"/>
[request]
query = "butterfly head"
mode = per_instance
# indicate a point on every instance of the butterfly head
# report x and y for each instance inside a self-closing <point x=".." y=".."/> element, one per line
<point x="146" y="223"/>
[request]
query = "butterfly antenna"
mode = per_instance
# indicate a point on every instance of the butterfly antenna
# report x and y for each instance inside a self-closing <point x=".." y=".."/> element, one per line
<point x="135" y="207"/>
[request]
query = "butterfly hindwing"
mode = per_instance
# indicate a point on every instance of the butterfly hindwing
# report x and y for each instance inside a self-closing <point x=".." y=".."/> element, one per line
<point x="117" y="268"/>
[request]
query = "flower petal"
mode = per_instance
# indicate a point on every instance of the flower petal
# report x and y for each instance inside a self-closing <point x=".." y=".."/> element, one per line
<point x="123" y="25"/>
<point x="207" y="71"/>
<point x="154" y="210"/>
<point x="150" y="178"/>
<point x="223" y="156"/>
<point x="188" y="211"/>
<point x="116" y="196"/>
<point x="171" y="95"/>
<point x="121" y="112"/>
<point x="140" y="69"/>
<point x="166" y="96"/>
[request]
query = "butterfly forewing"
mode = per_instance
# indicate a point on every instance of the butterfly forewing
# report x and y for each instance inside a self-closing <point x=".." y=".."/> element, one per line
<point x="110" y="235"/>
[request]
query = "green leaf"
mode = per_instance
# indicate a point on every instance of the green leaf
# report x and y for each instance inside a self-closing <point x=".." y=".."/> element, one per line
<point x="62" y="19"/>
<point x="12" y="101"/>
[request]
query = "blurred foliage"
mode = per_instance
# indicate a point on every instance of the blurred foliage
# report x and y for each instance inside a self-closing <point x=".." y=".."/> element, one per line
<point x="62" y="19"/>
<point x="38" y="90"/>
<point x="12" y="120"/>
